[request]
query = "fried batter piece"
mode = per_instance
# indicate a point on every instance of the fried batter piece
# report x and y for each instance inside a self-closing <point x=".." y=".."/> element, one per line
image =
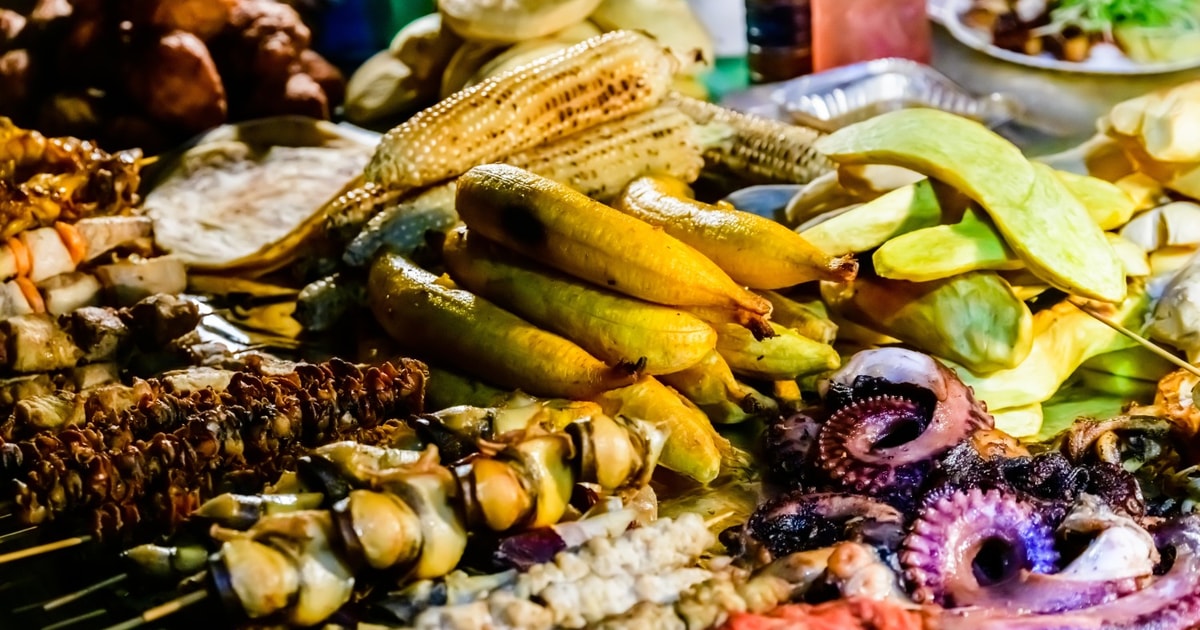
<point x="43" y="180"/>
<point x="202" y="18"/>
<point x="178" y="83"/>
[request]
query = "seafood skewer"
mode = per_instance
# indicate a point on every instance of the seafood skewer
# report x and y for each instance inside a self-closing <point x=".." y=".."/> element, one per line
<point x="413" y="518"/>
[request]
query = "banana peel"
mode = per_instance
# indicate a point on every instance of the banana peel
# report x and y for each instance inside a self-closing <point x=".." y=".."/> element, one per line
<point x="974" y="318"/>
<point x="1107" y="203"/>
<point x="448" y="388"/>
<point x="1040" y="219"/>
<point x="672" y="22"/>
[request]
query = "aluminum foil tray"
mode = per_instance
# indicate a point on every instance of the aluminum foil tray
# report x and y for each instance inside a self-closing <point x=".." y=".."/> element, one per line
<point x="838" y="97"/>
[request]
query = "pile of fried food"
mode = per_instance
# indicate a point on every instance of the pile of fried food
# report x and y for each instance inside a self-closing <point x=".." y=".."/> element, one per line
<point x="151" y="73"/>
<point x="1101" y="31"/>
<point x="467" y="41"/>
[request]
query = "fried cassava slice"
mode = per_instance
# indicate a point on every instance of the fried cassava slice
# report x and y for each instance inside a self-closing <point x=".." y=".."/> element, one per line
<point x="1043" y="222"/>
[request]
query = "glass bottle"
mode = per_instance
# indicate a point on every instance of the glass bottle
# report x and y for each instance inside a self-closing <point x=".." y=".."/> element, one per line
<point x="779" y="39"/>
<point x="850" y="31"/>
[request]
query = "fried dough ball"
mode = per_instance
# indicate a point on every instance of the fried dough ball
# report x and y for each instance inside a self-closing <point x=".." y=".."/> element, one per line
<point x="269" y="37"/>
<point x="177" y="83"/>
<point x="17" y="79"/>
<point x="202" y="18"/>
<point x="325" y="74"/>
<point x="11" y="25"/>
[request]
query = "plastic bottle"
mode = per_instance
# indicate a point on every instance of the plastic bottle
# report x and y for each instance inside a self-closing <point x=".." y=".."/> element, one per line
<point x="779" y="38"/>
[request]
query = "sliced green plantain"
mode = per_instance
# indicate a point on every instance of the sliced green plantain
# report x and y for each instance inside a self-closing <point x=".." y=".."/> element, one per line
<point x="1042" y="221"/>
<point x="946" y="250"/>
<point x="1065" y="338"/>
<point x="866" y="227"/>
<point x="975" y="318"/>
<point x="1109" y="205"/>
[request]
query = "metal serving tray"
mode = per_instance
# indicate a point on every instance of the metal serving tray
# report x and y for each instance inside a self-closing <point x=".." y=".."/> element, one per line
<point x="838" y="97"/>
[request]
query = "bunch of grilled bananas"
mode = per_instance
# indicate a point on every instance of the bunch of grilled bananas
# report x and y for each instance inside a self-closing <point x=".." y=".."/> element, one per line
<point x="467" y="41"/>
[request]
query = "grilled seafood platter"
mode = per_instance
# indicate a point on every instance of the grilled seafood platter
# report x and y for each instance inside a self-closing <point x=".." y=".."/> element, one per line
<point x="569" y="348"/>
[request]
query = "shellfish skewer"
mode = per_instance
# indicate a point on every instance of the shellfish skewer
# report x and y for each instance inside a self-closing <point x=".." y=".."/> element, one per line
<point x="29" y="552"/>
<point x="17" y="534"/>
<point x="162" y="610"/>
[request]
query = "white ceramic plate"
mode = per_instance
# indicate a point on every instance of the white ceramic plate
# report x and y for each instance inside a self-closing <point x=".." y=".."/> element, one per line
<point x="948" y="13"/>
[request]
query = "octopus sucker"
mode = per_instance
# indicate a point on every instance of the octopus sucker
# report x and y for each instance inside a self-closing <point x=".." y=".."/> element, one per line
<point x="969" y="542"/>
<point x="790" y="446"/>
<point x="1170" y="602"/>
<point x="894" y="413"/>
<point x="865" y="445"/>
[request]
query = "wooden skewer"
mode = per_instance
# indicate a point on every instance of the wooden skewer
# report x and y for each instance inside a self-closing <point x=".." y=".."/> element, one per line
<point x="1142" y="341"/>
<point x="92" y="614"/>
<point x="59" y="602"/>
<point x="17" y="534"/>
<point x="46" y="548"/>
<point x="163" y="610"/>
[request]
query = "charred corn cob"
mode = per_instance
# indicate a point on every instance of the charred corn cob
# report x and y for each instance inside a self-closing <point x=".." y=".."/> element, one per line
<point x="597" y="162"/>
<point x="591" y="241"/>
<point x="753" y="149"/>
<point x="600" y="79"/>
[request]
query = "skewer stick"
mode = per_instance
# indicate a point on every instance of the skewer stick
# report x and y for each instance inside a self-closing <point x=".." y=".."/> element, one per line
<point x="17" y="534"/>
<point x="46" y="548"/>
<point x="1145" y="343"/>
<point x="162" y="610"/>
<point x="59" y="602"/>
<point x="91" y="614"/>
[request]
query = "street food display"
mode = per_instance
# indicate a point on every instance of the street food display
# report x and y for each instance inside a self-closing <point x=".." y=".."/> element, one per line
<point x="553" y="352"/>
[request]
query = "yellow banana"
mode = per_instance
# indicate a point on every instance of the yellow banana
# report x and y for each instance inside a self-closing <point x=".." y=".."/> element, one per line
<point x="450" y="388"/>
<point x="613" y="327"/>
<point x="788" y="355"/>
<point x="753" y="250"/>
<point x="473" y="335"/>
<point x="788" y="312"/>
<point x="712" y="387"/>
<point x="694" y="448"/>
<point x="556" y="225"/>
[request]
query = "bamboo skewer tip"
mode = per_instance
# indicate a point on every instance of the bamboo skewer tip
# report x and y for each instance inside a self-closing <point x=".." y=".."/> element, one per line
<point x="21" y="554"/>
<point x="161" y="611"/>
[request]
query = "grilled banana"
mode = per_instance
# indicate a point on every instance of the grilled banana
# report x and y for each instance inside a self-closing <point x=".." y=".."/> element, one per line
<point x="613" y="327"/>
<point x="569" y="231"/>
<point x="712" y="387"/>
<point x="786" y="356"/>
<point x="473" y="335"/>
<point x="755" y="251"/>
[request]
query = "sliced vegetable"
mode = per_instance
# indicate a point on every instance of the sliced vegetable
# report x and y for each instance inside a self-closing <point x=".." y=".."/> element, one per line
<point x="975" y="318"/>
<point x="868" y="226"/>
<point x="1043" y="223"/>
<point x="1108" y="204"/>
<point x="946" y="250"/>
<point x="1170" y="225"/>
<point x="1064" y="338"/>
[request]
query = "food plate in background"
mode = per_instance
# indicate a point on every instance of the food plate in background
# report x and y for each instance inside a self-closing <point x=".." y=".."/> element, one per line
<point x="835" y="98"/>
<point x="948" y="13"/>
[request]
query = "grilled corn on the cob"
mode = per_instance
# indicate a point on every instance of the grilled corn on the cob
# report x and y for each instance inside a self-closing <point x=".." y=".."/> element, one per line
<point x="753" y="149"/>
<point x="600" y="79"/>
<point x="597" y="162"/>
